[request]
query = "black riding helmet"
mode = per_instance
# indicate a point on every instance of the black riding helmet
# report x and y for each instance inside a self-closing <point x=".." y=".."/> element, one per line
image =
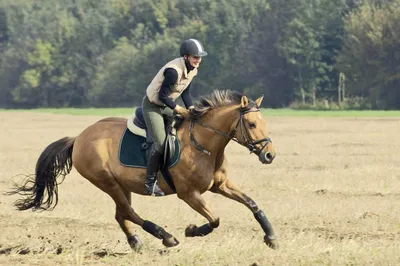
<point x="192" y="47"/>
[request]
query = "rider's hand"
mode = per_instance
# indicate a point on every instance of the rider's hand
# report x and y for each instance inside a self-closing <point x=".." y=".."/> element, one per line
<point x="182" y="111"/>
<point x="193" y="112"/>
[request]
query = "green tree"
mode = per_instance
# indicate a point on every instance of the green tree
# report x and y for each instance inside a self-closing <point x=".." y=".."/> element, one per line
<point x="370" y="56"/>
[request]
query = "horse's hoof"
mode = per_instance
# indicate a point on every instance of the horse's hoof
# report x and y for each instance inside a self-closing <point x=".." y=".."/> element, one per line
<point x="170" y="242"/>
<point x="271" y="243"/>
<point x="135" y="243"/>
<point x="190" y="230"/>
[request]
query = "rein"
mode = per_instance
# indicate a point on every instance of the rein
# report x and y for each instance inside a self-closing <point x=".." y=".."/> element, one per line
<point x="247" y="141"/>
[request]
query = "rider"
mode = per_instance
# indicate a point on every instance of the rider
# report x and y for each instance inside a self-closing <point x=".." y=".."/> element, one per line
<point x="172" y="80"/>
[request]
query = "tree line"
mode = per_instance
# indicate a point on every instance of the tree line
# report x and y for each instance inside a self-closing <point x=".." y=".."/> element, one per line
<point x="104" y="53"/>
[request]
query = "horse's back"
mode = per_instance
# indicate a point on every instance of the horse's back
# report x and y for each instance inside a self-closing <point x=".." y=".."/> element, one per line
<point x="106" y="128"/>
<point x="97" y="145"/>
<point x="112" y="120"/>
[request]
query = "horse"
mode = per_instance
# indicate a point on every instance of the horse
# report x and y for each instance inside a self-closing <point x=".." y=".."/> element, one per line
<point x="217" y="118"/>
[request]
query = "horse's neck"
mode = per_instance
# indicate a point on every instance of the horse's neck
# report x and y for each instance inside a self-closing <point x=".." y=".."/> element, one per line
<point x="220" y="119"/>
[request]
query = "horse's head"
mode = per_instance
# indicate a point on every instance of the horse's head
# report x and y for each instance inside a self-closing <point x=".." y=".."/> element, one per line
<point x="235" y="117"/>
<point x="251" y="130"/>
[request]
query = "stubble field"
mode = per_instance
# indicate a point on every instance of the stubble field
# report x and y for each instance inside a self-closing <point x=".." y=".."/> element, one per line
<point x="332" y="195"/>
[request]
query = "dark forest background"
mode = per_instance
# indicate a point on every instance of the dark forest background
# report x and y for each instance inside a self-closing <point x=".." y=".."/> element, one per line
<point x="104" y="53"/>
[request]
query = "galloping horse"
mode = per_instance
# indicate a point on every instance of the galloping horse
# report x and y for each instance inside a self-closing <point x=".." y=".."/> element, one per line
<point x="218" y="118"/>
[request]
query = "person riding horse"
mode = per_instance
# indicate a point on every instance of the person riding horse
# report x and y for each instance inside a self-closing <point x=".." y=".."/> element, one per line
<point x="172" y="80"/>
<point x="220" y="117"/>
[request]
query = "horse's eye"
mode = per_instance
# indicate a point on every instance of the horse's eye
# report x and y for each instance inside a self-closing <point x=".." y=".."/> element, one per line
<point x="252" y="125"/>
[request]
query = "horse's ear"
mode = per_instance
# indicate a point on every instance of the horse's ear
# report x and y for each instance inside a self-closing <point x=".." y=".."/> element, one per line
<point x="245" y="101"/>
<point x="259" y="100"/>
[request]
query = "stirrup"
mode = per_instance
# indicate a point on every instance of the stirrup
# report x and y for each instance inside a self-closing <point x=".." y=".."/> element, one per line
<point x="155" y="191"/>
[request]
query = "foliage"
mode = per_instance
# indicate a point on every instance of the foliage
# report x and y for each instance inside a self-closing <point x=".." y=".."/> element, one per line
<point x="79" y="53"/>
<point x="370" y="56"/>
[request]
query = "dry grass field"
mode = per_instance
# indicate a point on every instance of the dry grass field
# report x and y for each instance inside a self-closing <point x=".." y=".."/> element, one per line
<point x="332" y="195"/>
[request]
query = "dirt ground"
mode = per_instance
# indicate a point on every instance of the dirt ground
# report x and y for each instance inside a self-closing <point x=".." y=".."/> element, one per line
<point x="332" y="195"/>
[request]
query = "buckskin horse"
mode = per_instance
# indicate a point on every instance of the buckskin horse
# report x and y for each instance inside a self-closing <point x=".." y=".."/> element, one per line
<point x="219" y="117"/>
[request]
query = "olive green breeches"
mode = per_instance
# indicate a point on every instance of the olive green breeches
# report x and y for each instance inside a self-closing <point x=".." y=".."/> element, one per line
<point x="153" y="116"/>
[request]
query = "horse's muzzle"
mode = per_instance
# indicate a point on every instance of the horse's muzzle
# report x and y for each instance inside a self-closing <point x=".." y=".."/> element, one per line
<point x="266" y="157"/>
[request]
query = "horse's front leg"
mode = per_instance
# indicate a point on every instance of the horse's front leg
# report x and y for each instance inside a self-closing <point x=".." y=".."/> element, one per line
<point x="230" y="190"/>
<point x="196" y="201"/>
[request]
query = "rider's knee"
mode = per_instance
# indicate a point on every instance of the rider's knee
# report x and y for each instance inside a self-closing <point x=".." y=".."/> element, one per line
<point x="159" y="147"/>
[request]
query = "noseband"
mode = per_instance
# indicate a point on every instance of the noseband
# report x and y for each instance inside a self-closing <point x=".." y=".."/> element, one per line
<point x="246" y="139"/>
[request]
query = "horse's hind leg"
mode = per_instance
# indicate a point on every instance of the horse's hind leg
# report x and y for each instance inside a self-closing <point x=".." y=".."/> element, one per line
<point x="126" y="226"/>
<point x="126" y="212"/>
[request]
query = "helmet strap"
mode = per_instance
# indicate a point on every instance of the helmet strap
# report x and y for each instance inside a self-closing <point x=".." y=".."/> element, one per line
<point x="189" y="67"/>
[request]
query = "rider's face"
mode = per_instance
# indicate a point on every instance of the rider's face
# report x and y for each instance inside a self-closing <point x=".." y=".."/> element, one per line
<point x="194" y="61"/>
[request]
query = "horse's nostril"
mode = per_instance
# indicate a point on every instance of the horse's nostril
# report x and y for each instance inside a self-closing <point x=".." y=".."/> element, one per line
<point x="269" y="156"/>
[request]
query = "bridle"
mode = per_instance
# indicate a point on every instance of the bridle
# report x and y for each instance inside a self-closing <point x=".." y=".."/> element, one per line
<point x="246" y="139"/>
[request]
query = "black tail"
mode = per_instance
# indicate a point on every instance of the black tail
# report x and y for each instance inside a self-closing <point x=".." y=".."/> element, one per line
<point x="40" y="190"/>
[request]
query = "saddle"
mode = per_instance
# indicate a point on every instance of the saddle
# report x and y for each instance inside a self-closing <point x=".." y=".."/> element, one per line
<point x="136" y="143"/>
<point x="137" y="125"/>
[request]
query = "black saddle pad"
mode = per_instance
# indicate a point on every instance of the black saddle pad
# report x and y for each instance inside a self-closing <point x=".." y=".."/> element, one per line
<point x="132" y="151"/>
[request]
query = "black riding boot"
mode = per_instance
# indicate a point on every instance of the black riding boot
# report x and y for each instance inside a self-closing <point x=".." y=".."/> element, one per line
<point x="153" y="163"/>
